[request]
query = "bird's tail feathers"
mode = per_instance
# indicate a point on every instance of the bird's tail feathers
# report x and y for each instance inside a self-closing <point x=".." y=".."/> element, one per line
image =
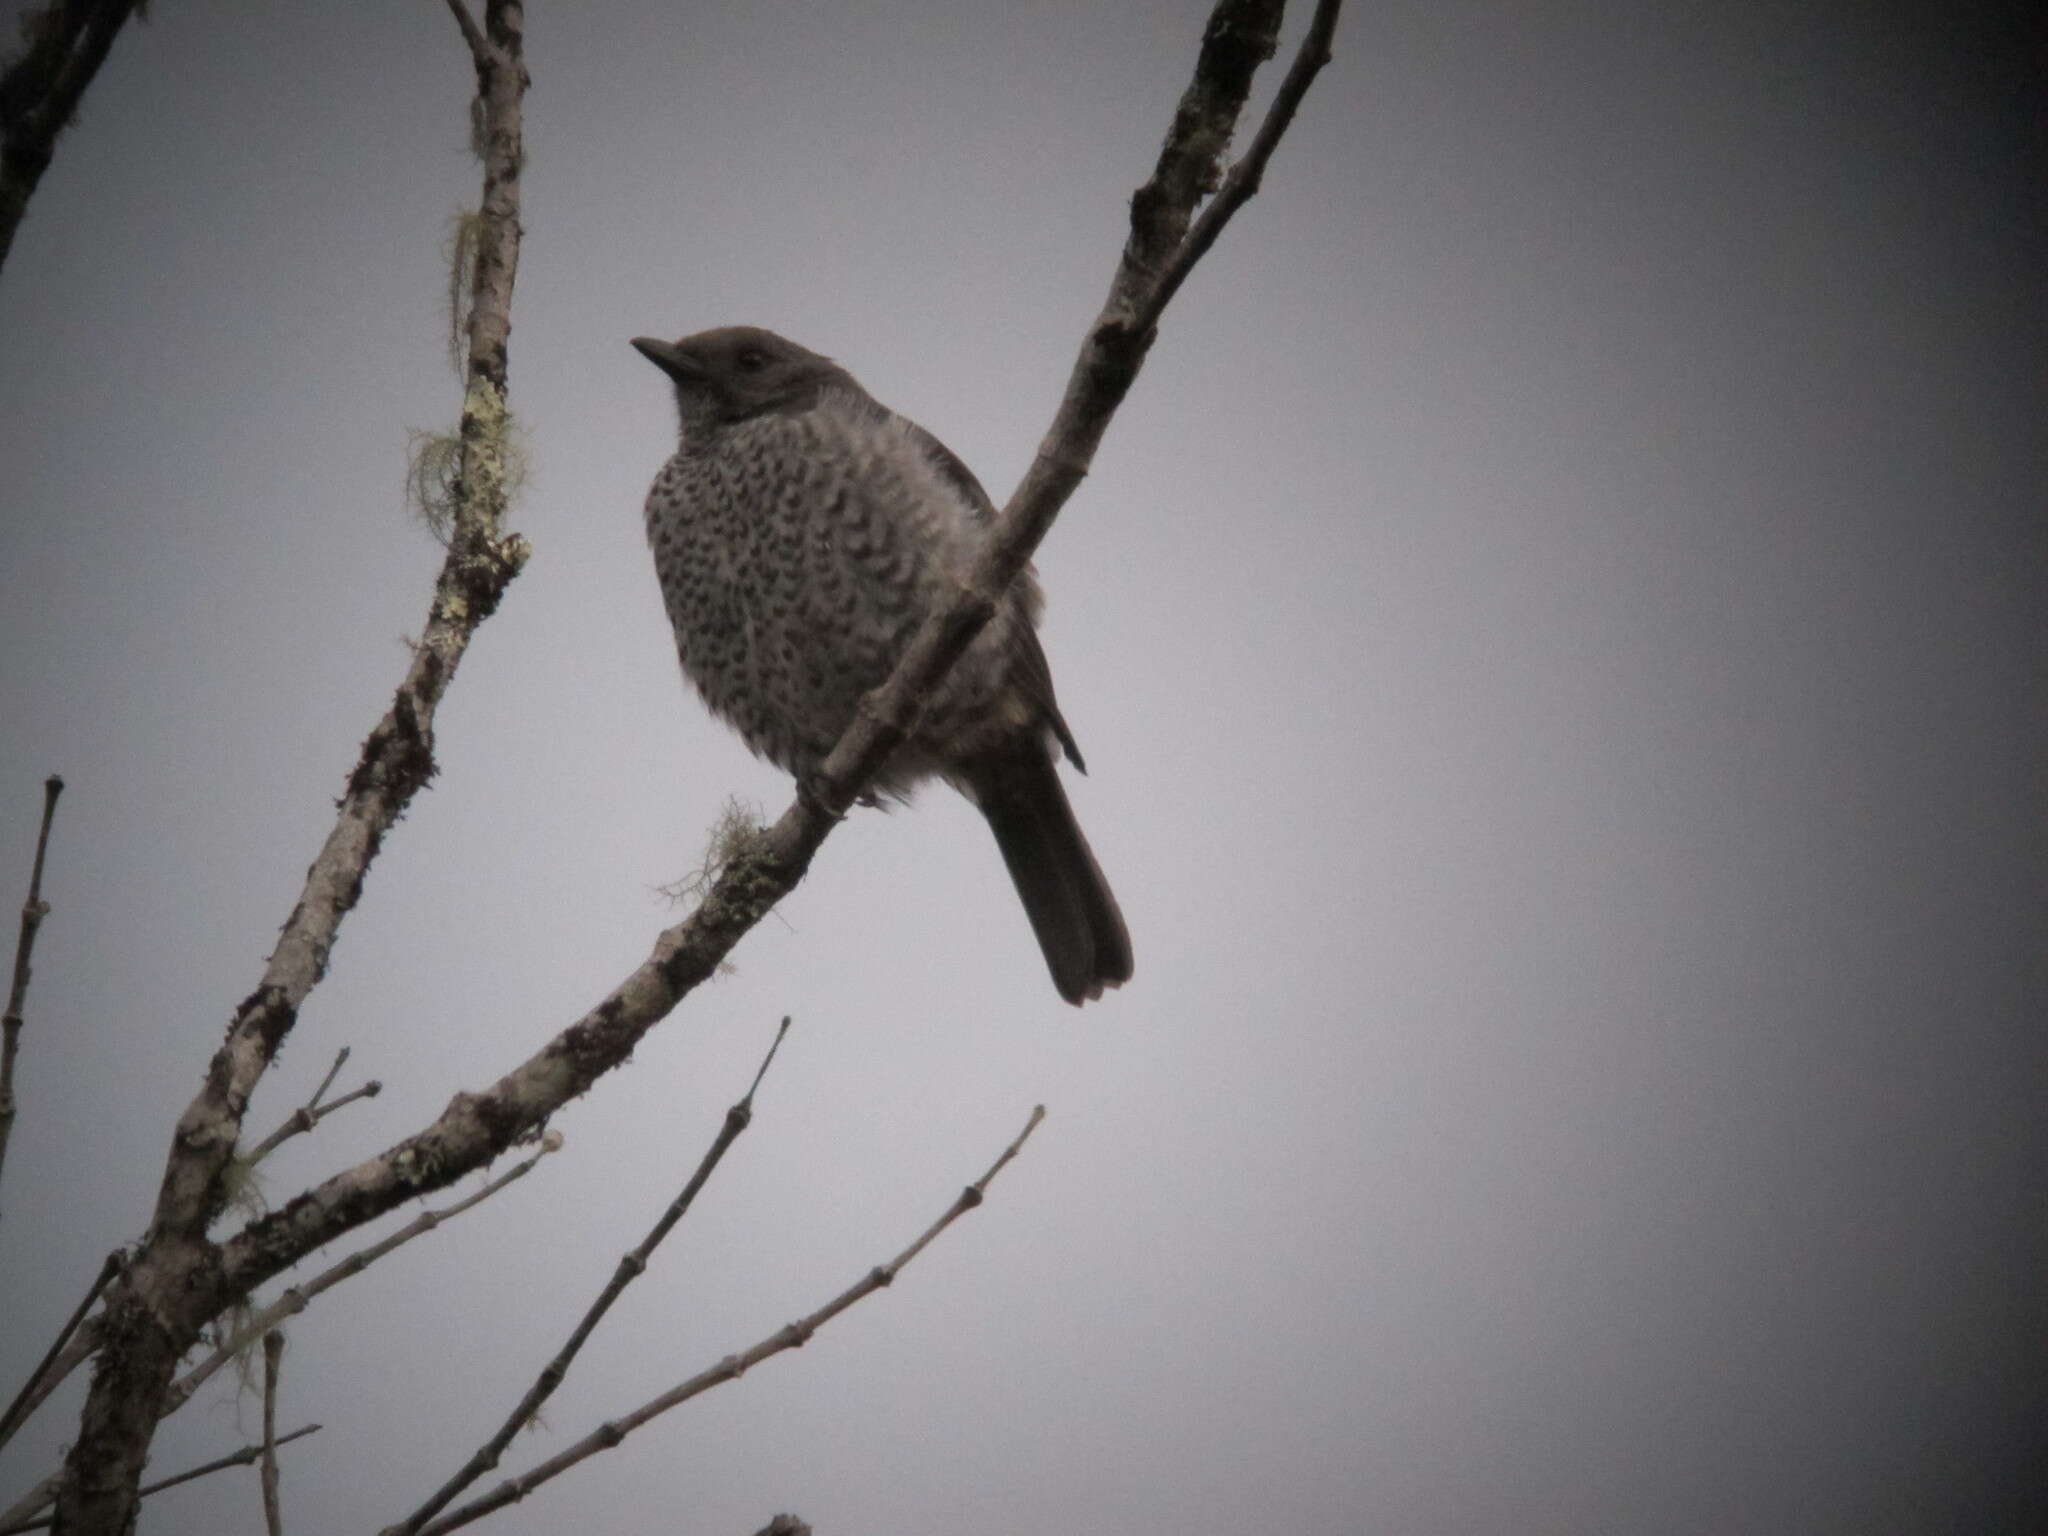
<point x="1079" y="927"/>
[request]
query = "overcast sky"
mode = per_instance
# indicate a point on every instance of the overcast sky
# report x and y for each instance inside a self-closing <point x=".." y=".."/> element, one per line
<point x="1556" y="633"/>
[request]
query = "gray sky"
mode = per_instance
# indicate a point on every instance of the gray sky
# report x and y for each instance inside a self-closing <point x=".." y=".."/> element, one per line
<point x="1556" y="631"/>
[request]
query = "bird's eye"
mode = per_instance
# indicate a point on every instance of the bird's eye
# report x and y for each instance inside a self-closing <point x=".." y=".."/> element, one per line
<point x="751" y="360"/>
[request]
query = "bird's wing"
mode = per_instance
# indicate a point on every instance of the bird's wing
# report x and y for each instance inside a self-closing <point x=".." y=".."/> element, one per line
<point x="1034" y="672"/>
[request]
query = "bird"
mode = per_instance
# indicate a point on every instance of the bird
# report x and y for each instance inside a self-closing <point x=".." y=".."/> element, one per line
<point x="802" y="532"/>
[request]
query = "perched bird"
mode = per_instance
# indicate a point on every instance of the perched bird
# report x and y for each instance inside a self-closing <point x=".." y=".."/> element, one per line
<point x="802" y="533"/>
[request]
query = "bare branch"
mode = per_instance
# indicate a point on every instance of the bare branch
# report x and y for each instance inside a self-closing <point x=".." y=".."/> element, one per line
<point x="15" y="1518"/>
<point x="33" y="911"/>
<point x="631" y="1267"/>
<point x="476" y="1126"/>
<point x="296" y="1298"/>
<point x="1245" y="177"/>
<point x="792" y="1336"/>
<point x="174" y="1285"/>
<point x="26" y="1400"/>
<point x="40" y="92"/>
<point x="273" y="1514"/>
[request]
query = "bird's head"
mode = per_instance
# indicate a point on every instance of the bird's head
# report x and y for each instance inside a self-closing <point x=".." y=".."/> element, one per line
<point x="740" y="371"/>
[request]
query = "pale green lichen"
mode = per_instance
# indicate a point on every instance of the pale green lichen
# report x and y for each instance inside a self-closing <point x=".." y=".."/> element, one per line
<point x="436" y="485"/>
<point x="496" y="465"/>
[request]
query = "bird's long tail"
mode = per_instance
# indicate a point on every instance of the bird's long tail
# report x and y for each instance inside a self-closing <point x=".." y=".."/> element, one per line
<point x="1079" y="928"/>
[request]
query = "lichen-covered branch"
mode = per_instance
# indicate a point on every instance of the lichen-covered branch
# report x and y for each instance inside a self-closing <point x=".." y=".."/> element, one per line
<point x="64" y="45"/>
<point x="175" y="1283"/>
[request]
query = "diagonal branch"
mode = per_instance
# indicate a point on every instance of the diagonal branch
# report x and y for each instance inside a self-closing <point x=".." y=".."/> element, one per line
<point x="41" y="90"/>
<point x="173" y="1286"/>
<point x="43" y="1377"/>
<point x="631" y="1267"/>
<point x="791" y="1336"/>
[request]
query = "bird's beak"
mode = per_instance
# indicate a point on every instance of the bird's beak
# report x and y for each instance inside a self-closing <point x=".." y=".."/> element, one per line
<point x="669" y="358"/>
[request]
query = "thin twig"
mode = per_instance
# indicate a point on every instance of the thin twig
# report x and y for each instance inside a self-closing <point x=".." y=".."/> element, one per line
<point x="273" y="1513"/>
<point x="33" y="911"/>
<point x="340" y="1060"/>
<point x="792" y="1336"/>
<point x="81" y="1348"/>
<point x="296" y="1298"/>
<point x="631" y="1267"/>
<point x="13" y="1521"/>
<point x="28" y="1397"/>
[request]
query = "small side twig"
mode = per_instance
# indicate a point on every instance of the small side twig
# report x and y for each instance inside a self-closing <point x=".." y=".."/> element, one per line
<point x="791" y="1336"/>
<point x="472" y="34"/>
<point x="28" y="1397"/>
<point x="311" y="1113"/>
<point x="631" y="1267"/>
<point x="33" y="911"/>
<point x="15" y="1521"/>
<point x="295" y="1298"/>
<point x="273" y="1514"/>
